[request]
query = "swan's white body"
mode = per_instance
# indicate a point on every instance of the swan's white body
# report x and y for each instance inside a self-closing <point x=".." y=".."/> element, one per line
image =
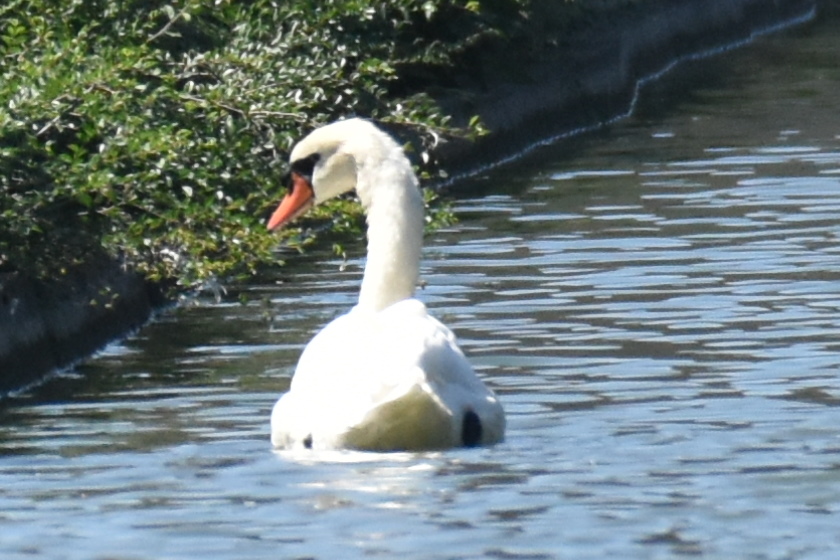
<point x="386" y="375"/>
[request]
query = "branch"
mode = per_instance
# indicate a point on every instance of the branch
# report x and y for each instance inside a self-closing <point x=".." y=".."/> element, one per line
<point x="244" y="114"/>
<point x="166" y="27"/>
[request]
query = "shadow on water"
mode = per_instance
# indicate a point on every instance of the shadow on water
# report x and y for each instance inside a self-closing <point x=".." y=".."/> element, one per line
<point x="657" y="305"/>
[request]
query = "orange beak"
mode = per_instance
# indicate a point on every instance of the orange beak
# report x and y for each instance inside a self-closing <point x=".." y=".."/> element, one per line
<point x="293" y="204"/>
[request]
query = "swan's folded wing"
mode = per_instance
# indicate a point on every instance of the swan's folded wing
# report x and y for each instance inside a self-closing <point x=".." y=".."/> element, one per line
<point x="389" y="380"/>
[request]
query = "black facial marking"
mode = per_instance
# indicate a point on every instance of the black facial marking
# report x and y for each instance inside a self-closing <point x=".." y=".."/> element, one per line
<point x="304" y="167"/>
<point x="307" y="441"/>
<point x="471" y="429"/>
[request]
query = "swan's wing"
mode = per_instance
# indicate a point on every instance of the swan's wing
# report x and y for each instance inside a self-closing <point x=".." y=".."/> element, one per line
<point x="326" y="397"/>
<point x="437" y="382"/>
<point x="394" y="379"/>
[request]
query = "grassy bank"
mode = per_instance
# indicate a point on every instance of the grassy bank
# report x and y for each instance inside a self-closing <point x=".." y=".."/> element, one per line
<point x="157" y="131"/>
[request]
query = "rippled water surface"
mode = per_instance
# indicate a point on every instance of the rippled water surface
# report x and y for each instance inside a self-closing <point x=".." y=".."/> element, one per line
<point x="658" y="308"/>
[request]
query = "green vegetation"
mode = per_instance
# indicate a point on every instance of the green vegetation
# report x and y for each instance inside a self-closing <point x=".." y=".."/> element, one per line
<point x="158" y="130"/>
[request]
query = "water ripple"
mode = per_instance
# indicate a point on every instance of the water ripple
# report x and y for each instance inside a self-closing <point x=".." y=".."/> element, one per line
<point x="660" y="315"/>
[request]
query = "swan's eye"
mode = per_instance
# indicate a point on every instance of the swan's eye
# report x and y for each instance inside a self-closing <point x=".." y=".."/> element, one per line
<point x="306" y="166"/>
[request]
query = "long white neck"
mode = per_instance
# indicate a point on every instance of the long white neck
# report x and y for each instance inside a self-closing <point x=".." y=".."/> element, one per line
<point x="394" y="206"/>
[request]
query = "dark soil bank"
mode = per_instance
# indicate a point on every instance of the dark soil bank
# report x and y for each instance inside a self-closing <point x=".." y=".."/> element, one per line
<point x="592" y="78"/>
<point x="47" y="325"/>
<point x="586" y="80"/>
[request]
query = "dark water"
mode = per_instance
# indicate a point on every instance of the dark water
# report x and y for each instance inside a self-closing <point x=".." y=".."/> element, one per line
<point x="658" y="308"/>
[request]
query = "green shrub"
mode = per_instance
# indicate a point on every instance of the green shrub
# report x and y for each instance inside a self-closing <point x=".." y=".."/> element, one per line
<point x="159" y="129"/>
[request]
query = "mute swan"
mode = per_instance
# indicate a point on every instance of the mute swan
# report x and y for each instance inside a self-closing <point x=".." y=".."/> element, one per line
<point x="386" y="375"/>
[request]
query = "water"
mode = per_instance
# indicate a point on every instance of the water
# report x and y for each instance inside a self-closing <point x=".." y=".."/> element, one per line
<point x="658" y="308"/>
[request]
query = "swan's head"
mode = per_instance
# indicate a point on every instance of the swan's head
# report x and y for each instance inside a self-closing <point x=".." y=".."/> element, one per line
<point x="326" y="164"/>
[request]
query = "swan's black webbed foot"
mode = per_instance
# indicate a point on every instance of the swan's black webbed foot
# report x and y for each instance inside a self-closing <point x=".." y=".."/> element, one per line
<point x="471" y="429"/>
<point x="307" y="442"/>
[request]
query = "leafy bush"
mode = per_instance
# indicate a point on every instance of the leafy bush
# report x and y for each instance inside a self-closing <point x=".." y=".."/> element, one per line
<point x="159" y="129"/>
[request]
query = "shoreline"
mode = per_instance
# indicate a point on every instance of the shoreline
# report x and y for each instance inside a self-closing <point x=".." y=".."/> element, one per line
<point x="596" y="79"/>
<point x="590" y="81"/>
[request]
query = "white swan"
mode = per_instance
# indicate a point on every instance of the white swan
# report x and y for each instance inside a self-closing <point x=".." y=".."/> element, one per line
<point x="386" y="375"/>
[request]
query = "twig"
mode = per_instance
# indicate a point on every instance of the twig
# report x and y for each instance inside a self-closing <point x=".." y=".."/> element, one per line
<point x="297" y="116"/>
<point x="242" y="113"/>
<point x="166" y="27"/>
